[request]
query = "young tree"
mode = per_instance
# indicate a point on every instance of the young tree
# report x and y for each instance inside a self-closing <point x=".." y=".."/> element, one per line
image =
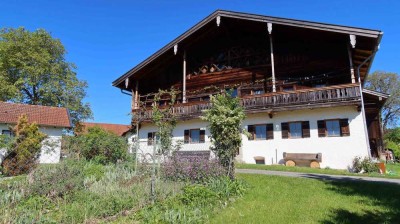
<point x="33" y="70"/>
<point x="24" y="149"/>
<point x="389" y="83"/>
<point x="225" y="118"/>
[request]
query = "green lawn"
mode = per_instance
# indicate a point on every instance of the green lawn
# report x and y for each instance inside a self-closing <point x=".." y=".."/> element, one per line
<point x="274" y="199"/>
<point x="392" y="167"/>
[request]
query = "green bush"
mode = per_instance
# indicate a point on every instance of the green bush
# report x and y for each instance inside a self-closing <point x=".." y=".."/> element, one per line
<point x="195" y="195"/>
<point x="56" y="180"/>
<point x="97" y="145"/>
<point x="364" y="164"/>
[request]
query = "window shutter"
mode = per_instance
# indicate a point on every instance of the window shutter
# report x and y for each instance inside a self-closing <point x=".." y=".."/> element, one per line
<point x="321" y="129"/>
<point x="344" y="127"/>
<point x="186" y="138"/>
<point x="202" y="136"/>
<point x="251" y="130"/>
<point x="285" y="130"/>
<point x="305" y="125"/>
<point x="150" y="138"/>
<point x="270" y="131"/>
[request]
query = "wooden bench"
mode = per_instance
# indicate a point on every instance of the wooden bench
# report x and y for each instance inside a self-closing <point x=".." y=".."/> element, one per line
<point x="312" y="158"/>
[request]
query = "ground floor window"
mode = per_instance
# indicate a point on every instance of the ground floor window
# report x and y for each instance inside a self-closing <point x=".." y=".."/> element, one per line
<point x="193" y="136"/>
<point x="298" y="129"/>
<point x="261" y="131"/>
<point x="7" y="132"/>
<point x="150" y="137"/>
<point x="333" y="128"/>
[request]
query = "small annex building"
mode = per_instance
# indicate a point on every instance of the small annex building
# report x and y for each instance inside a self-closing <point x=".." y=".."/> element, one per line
<point x="52" y="121"/>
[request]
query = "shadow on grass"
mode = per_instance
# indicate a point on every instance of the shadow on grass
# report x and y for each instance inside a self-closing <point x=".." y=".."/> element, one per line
<point x="386" y="196"/>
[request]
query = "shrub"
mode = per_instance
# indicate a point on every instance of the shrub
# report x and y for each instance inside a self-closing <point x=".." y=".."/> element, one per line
<point x="196" y="169"/>
<point x="56" y="180"/>
<point x="97" y="145"/>
<point x="24" y="149"/>
<point x="364" y="165"/>
<point x="195" y="195"/>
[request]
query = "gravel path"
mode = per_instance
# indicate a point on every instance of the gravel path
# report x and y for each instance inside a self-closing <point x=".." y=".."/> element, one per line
<point x="319" y="176"/>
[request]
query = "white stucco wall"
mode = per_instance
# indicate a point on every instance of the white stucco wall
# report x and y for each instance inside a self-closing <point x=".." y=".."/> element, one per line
<point x="51" y="149"/>
<point x="337" y="152"/>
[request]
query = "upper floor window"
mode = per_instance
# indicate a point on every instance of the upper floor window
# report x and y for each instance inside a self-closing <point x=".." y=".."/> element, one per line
<point x="261" y="131"/>
<point x="194" y="136"/>
<point x="333" y="128"/>
<point x="299" y="129"/>
<point x="232" y="92"/>
<point x="259" y="92"/>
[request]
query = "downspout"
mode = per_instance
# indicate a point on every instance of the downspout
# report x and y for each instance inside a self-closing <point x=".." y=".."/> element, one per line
<point x="362" y="103"/>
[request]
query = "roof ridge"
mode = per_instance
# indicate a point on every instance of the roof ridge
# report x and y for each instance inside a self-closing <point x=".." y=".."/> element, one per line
<point x="31" y="105"/>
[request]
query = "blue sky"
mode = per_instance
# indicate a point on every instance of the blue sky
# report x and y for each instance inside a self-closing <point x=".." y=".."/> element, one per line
<point x="107" y="38"/>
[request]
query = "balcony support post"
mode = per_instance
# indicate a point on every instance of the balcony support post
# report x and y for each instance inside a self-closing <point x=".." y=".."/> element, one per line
<point x="353" y="77"/>
<point x="184" y="78"/>
<point x="137" y="95"/>
<point x="272" y="56"/>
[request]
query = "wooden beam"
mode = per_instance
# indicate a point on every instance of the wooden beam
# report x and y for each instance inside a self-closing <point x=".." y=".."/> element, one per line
<point x="272" y="56"/>
<point x="353" y="77"/>
<point x="137" y="95"/>
<point x="363" y="51"/>
<point x="184" y="78"/>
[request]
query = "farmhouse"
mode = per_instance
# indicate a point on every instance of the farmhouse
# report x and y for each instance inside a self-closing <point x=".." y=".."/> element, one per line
<point x="52" y="121"/>
<point x="300" y="82"/>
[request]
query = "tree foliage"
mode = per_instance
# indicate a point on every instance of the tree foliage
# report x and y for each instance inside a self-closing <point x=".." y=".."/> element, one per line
<point x="164" y="120"/>
<point x="24" y="149"/>
<point x="97" y="145"/>
<point x="33" y="70"/>
<point x="392" y="141"/>
<point x="225" y="118"/>
<point x="389" y="83"/>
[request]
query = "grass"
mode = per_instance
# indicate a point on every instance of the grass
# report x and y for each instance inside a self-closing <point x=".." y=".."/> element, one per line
<point x="274" y="199"/>
<point x="392" y="167"/>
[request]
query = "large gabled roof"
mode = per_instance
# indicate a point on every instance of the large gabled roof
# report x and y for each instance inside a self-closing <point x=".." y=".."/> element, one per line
<point x="42" y="115"/>
<point x="369" y="33"/>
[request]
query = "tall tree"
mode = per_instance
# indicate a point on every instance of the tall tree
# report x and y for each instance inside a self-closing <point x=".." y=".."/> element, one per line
<point x="389" y="83"/>
<point x="33" y="70"/>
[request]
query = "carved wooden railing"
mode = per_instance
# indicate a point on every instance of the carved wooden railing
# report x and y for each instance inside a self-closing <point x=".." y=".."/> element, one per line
<point x="273" y="101"/>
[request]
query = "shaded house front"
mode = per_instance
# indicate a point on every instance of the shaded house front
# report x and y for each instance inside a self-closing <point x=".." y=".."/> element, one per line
<point x="52" y="121"/>
<point x="300" y="83"/>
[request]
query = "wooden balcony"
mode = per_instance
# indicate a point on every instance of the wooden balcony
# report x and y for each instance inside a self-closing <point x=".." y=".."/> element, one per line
<point x="338" y="95"/>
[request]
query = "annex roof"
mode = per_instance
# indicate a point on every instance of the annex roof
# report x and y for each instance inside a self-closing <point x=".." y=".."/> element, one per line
<point x="118" y="129"/>
<point x="42" y="115"/>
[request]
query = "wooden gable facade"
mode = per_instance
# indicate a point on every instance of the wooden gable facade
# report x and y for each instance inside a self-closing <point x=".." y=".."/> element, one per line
<point x="271" y="63"/>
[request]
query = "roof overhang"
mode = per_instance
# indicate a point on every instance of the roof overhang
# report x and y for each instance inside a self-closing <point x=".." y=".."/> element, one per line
<point x="369" y="33"/>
